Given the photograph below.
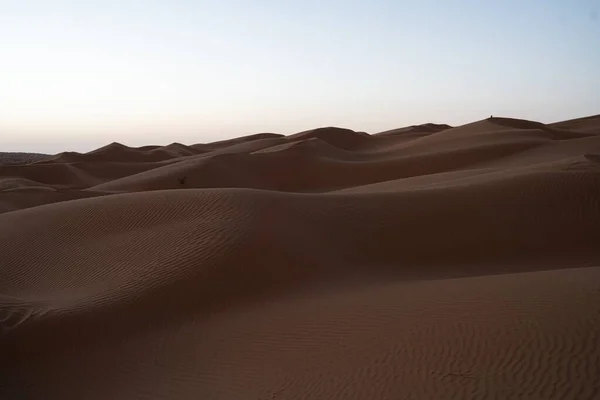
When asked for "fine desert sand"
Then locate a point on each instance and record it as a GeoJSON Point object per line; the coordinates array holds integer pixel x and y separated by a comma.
{"type": "Point", "coordinates": [428, 262]}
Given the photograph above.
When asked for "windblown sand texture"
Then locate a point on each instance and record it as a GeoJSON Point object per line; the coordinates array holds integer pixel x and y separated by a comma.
{"type": "Point", "coordinates": [428, 262]}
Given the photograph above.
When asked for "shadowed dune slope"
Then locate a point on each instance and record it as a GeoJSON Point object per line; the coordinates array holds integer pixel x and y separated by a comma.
{"type": "Point", "coordinates": [415, 129]}
{"type": "Point", "coordinates": [221, 144]}
{"type": "Point", "coordinates": [11, 158]}
{"type": "Point", "coordinates": [587, 124]}
{"type": "Point", "coordinates": [339, 137]}
{"type": "Point", "coordinates": [427, 262]}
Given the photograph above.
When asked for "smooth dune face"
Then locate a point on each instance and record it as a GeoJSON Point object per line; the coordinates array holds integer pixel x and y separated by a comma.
{"type": "Point", "coordinates": [427, 262]}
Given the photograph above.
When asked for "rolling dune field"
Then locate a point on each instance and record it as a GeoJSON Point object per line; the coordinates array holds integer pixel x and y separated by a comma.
{"type": "Point", "coordinates": [427, 262]}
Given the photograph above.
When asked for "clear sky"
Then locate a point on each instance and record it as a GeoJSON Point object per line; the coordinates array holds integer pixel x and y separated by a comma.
{"type": "Point", "coordinates": [78, 74]}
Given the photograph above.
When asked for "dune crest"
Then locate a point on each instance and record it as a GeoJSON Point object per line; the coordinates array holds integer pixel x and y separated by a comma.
{"type": "Point", "coordinates": [422, 262]}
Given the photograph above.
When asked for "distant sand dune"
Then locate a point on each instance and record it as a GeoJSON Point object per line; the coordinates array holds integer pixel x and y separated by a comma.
{"type": "Point", "coordinates": [424, 262]}
{"type": "Point", "coordinates": [415, 129]}
{"type": "Point", "coordinates": [21, 158]}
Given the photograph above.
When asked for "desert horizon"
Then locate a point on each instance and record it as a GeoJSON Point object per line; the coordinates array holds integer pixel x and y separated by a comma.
{"type": "Point", "coordinates": [430, 261]}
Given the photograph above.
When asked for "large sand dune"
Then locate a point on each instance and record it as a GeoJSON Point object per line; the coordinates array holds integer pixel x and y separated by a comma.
{"type": "Point", "coordinates": [427, 262]}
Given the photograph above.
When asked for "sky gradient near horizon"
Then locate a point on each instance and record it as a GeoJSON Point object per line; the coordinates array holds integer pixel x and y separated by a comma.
{"type": "Point", "coordinates": [78, 74]}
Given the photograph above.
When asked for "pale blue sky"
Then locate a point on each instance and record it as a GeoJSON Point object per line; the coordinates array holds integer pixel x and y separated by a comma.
{"type": "Point", "coordinates": [78, 74]}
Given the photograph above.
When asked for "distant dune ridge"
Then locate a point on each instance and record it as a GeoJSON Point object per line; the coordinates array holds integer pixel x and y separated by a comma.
{"type": "Point", "coordinates": [426, 262]}
{"type": "Point", "coordinates": [20, 158]}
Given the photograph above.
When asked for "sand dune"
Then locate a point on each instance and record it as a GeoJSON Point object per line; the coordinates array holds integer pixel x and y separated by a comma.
{"type": "Point", "coordinates": [413, 130]}
{"type": "Point", "coordinates": [424, 262]}
{"type": "Point", "coordinates": [235, 141]}
{"type": "Point", "coordinates": [589, 124]}
{"type": "Point", "coordinates": [20, 158]}
{"type": "Point", "coordinates": [116, 152]}
{"type": "Point", "coordinates": [343, 138]}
